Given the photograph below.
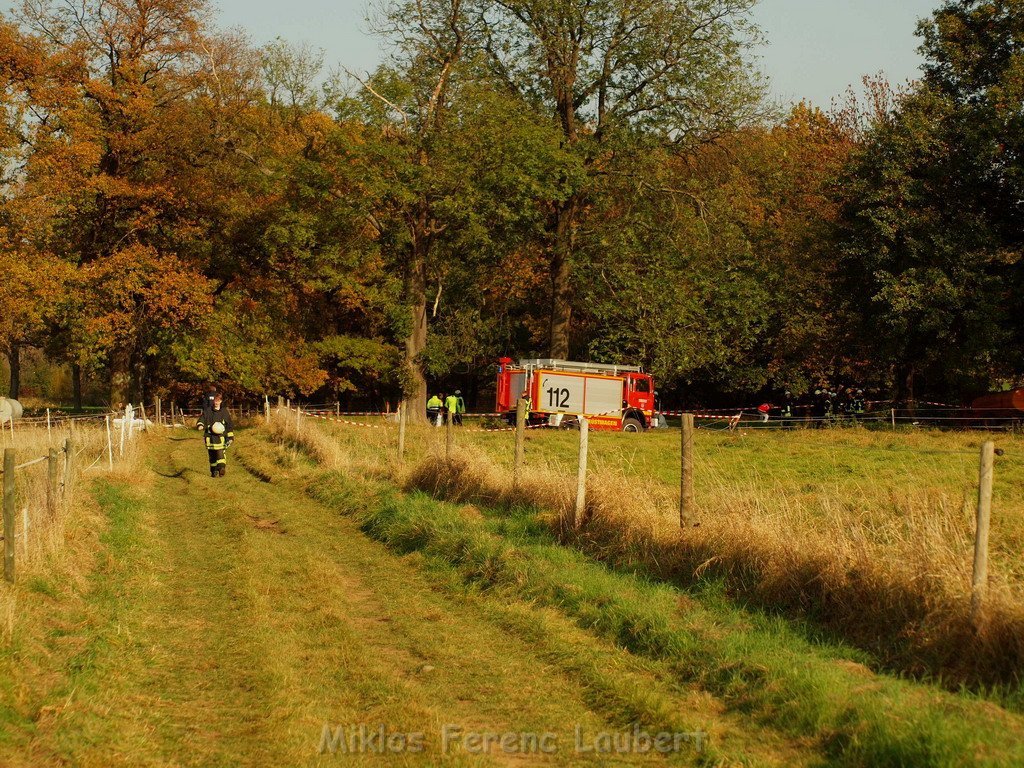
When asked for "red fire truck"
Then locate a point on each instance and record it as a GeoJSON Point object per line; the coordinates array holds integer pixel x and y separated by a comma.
{"type": "Point", "coordinates": [619, 397]}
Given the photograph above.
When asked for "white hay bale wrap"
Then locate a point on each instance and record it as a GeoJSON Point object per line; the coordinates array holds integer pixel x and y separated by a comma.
{"type": "Point", "coordinates": [10, 410]}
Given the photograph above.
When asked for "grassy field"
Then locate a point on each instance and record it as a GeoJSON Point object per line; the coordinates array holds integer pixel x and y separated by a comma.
{"type": "Point", "coordinates": [905, 490]}
{"type": "Point", "coordinates": [49, 542]}
{"type": "Point", "coordinates": [324, 585]}
{"type": "Point", "coordinates": [911, 492]}
{"type": "Point", "coordinates": [868, 533]}
{"type": "Point", "coordinates": [229, 622]}
{"type": "Point", "coordinates": [790, 678]}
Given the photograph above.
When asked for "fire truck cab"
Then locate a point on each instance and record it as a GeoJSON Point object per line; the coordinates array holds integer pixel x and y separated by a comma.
{"type": "Point", "coordinates": [619, 397]}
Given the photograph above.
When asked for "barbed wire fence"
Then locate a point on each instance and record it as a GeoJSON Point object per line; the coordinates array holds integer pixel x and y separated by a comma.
{"type": "Point", "coordinates": [44, 456]}
{"type": "Point", "coordinates": [904, 419]}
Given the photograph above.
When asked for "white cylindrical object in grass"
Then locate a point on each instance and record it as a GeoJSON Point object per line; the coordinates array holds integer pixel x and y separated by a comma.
{"type": "Point", "coordinates": [581, 476]}
{"type": "Point", "coordinates": [110, 446]}
{"type": "Point", "coordinates": [10, 410]}
{"type": "Point", "coordinates": [979, 582]}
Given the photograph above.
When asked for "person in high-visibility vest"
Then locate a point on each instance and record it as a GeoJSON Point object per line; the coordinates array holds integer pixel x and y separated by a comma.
{"type": "Point", "coordinates": [460, 406]}
{"type": "Point", "coordinates": [215, 421]}
{"type": "Point", "coordinates": [455, 407]}
{"type": "Point", "coordinates": [435, 405]}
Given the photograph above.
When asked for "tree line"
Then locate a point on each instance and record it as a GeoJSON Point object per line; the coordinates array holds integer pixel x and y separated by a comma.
{"type": "Point", "coordinates": [592, 179]}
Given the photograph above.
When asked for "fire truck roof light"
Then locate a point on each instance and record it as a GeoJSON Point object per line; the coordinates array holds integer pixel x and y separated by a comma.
{"type": "Point", "coordinates": [550, 364]}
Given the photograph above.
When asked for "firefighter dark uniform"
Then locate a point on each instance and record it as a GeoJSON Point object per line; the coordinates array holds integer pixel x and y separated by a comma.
{"type": "Point", "coordinates": [219, 433]}
{"type": "Point", "coordinates": [787, 409]}
{"type": "Point", "coordinates": [857, 404]}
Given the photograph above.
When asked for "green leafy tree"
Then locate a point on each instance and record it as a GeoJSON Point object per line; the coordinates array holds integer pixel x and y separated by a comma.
{"type": "Point", "coordinates": [714, 270]}
{"type": "Point", "coordinates": [932, 207]}
{"type": "Point", "coordinates": [457, 167]}
{"type": "Point", "coordinates": [616, 76]}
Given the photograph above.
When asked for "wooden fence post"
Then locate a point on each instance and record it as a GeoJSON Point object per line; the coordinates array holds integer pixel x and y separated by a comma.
{"type": "Point", "coordinates": [48, 435]}
{"type": "Point", "coordinates": [110, 446]}
{"type": "Point", "coordinates": [686, 475]}
{"type": "Point", "coordinates": [403, 409]}
{"type": "Point", "coordinates": [448, 436]}
{"type": "Point", "coordinates": [298, 418]}
{"type": "Point", "coordinates": [9, 514]}
{"type": "Point", "coordinates": [892, 414]}
{"type": "Point", "coordinates": [52, 482]}
{"type": "Point", "coordinates": [69, 469]}
{"type": "Point", "coordinates": [517, 468]}
{"type": "Point", "coordinates": [979, 582]}
{"type": "Point", "coordinates": [581, 475]}
{"type": "Point", "coordinates": [158, 411]}
{"type": "Point", "coordinates": [266, 409]}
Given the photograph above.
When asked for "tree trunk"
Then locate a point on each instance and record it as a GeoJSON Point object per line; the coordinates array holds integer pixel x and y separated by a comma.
{"type": "Point", "coordinates": [120, 377]}
{"type": "Point", "coordinates": [14, 358]}
{"type": "Point", "coordinates": [137, 392]}
{"type": "Point", "coordinates": [76, 386]}
{"type": "Point", "coordinates": [416, 342]}
{"type": "Point", "coordinates": [561, 277]}
{"type": "Point", "coordinates": [906, 388]}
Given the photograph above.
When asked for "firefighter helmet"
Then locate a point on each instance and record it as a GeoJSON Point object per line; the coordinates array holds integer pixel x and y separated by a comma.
{"type": "Point", "coordinates": [217, 428]}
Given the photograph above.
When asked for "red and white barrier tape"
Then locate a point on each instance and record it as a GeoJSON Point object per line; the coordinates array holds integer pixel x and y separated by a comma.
{"type": "Point", "coordinates": [702, 415]}
{"type": "Point", "coordinates": [332, 412]}
{"type": "Point", "coordinates": [345, 421]}
{"type": "Point", "coordinates": [510, 429]}
{"type": "Point", "coordinates": [335, 419]}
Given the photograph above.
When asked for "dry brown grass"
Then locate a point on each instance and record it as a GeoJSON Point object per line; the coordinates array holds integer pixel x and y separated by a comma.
{"type": "Point", "coordinates": [304, 436]}
{"type": "Point", "coordinates": [58, 544]}
{"type": "Point", "coordinates": [868, 534]}
{"type": "Point", "coordinates": [900, 590]}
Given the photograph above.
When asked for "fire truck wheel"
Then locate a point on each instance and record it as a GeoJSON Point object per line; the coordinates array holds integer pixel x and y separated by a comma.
{"type": "Point", "coordinates": [632, 425]}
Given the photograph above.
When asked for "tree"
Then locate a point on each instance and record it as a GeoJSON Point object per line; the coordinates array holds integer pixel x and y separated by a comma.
{"type": "Point", "coordinates": [932, 207]}
{"type": "Point", "coordinates": [33, 84]}
{"type": "Point", "coordinates": [714, 270]}
{"type": "Point", "coordinates": [122, 164]}
{"type": "Point", "coordinates": [608, 72]}
{"type": "Point", "coordinates": [456, 163]}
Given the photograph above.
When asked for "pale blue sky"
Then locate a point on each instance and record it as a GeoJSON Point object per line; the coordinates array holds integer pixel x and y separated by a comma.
{"type": "Point", "coordinates": [814, 50]}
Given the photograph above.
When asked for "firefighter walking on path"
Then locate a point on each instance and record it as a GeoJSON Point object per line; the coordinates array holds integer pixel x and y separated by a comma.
{"type": "Point", "coordinates": [219, 433]}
